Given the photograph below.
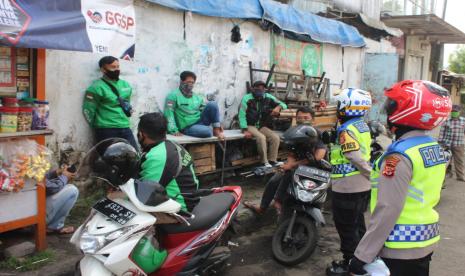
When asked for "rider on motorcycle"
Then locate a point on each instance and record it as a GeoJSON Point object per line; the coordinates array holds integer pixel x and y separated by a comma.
{"type": "Point", "coordinates": [166, 162]}
{"type": "Point", "coordinates": [304, 146]}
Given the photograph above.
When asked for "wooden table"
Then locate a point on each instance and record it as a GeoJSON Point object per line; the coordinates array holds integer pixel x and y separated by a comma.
{"type": "Point", "coordinates": [12, 216]}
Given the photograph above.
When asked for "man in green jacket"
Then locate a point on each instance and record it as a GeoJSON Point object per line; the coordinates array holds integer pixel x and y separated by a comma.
{"type": "Point", "coordinates": [164, 161]}
{"type": "Point", "coordinates": [102, 109]}
{"type": "Point", "coordinates": [255, 120]}
{"type": "Point", "coordinates": [189, 113]}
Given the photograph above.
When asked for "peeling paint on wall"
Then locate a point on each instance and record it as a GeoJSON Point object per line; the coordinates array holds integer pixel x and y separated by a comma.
{"type": "Point", "coordinates": [162, 54]}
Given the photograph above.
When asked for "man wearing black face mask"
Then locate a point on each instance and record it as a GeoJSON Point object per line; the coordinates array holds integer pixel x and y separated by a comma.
{"type": "Point", "coordinates": [189, 113]}
{"type": "Point", "coordinates": [102, 103]}
{"type": "Point", "coordinates": [255, 120]}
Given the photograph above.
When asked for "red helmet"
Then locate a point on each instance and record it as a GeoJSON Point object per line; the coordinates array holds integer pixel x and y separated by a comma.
{"type": "Point", "coordinates": [418, 104]}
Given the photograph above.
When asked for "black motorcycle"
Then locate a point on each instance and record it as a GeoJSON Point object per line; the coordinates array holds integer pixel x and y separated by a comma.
{"type": "Point", "coordinates": [296, 237]}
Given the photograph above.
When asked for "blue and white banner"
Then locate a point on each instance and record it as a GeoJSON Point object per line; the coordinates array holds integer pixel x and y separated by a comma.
{"type": "Point", "coordinates": [107, 27]}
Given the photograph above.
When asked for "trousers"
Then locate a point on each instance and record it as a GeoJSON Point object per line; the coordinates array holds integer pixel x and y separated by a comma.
{"type": "Point", "coordinates": [262, 136]}
{"type": "Point", "coordinates": [124, 133]}
{"type": "Point", "coordinates": [417, 267]}
{"type": "Point", "coordinates": [210, 116]}
{"type": "Point", "coordinates": [59, 205]}
{"type": "Point", "coordinates": [458, 153]}
{"type": "Point", "coordinates": [348, 209]}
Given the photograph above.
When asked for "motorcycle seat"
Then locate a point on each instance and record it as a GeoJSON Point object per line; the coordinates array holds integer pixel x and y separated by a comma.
{"type": "Point", "coordinates": [208, 211]}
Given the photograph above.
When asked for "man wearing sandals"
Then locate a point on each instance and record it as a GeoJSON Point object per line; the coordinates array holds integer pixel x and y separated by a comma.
{"type": "Point", "coordinates": [276, 187]}
{"type": "Point", "coordinates": [61, 197]}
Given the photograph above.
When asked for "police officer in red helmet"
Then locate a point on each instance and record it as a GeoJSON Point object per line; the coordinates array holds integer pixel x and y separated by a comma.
{"type": "Point", "coordinates": [403, 228]}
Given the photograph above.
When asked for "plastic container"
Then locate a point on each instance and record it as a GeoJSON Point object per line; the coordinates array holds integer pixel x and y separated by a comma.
{"type": "Point", "coordinates": [40, 115]}
{"type": "Point", "coordinates": [9, 119]}
{"type": "Point", "coordinates": [10, 102]}
{"type": "Point", "coordinates": [24, 118]}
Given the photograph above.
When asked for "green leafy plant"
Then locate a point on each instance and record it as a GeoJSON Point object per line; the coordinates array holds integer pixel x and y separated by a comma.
{"type": "Point", "coordinates": [457, 61]}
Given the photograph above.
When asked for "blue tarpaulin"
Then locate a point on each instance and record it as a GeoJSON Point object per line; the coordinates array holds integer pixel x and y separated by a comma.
{"type": "Point", "coordinates": [284, 16]}
{"type": "Point", "coordinates": [247, 9]}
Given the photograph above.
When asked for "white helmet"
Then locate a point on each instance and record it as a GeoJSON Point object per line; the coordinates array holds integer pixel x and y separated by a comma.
{"type": "Point", "coordinates": [353, 102]}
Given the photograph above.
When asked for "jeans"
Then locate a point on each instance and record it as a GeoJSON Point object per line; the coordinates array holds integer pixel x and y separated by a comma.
{"type": "Point", "coordinates": [210, 116]}
{"type": "Point", "coordinates": [417, 267]}
{"type": "Point", "coordinates": [348, 209]}
{"type": "Point", "coordinates": [124, 133]}
{"type": "Point", "coordinates": [59, 205]}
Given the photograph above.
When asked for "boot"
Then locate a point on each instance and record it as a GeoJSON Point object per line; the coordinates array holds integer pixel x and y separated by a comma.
{"type": "Point", "coordinates": [338, 268]}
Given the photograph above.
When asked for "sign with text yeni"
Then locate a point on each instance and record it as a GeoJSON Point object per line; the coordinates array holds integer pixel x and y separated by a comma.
{"type": "Point", "coordinates": [107, 27]}
{"type": "Point", "coordinates": [294, 56]}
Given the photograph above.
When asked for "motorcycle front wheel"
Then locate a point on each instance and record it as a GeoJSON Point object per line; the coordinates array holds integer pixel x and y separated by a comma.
{"type": "Point", "coordinates": [300, 246]}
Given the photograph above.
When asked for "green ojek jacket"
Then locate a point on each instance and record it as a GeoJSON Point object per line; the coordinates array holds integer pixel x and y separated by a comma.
{"type": "Point", "coordinates": [101, 107]}
{"type": "Point", "coordinates": [182, 112]}
{"type": "Point", "coordinates": [161, 164]}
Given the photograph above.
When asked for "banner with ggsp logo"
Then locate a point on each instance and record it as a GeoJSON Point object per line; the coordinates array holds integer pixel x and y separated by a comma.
{"type": "Point", "coordinates": [107, 27]}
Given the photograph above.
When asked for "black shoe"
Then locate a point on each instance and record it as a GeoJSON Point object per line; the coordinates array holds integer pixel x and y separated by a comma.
{"type": "Point", "coordinates": [338, 268]}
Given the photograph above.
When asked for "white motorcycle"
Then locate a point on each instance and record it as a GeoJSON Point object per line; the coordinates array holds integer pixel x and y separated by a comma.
{"type": "Point", "coordinates": [119, 237]}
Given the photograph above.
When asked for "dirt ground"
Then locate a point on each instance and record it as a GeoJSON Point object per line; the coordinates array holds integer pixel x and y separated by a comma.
{"type": "Point", "coordinates": [253, 256]}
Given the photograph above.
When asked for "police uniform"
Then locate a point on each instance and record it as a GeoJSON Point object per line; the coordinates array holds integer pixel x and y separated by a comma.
{"type": "Point", "coordinates": [350, 182]}
{"type": "Point", "coordinates": [403, 228]}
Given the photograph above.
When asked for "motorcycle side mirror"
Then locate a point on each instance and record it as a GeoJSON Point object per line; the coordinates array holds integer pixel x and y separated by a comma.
{"type": "Point", "coordinates": [150, 193]}
{"type": "Point", "coordinates": [328, 136]}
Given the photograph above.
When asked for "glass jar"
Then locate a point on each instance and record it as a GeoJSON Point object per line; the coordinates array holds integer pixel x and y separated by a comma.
{"type": "Point", "coordinates": [24, 118]}
{"type": "Point", "coordinates": [40, 115]}
{"type": "Point", "coordinates": [9, 119]}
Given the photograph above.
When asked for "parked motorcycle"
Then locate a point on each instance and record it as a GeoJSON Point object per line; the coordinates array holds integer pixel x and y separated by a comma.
{"type": "Point", "coordinates": [296, 237]}
{"type": "Point", "coordinates": [122, 237]}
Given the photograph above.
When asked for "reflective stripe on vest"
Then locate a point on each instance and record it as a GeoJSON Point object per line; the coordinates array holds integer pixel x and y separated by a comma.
{"type": "Point", "coordinates": [417, 225]}
{"type": "Point", "coordinates": [341, 165]}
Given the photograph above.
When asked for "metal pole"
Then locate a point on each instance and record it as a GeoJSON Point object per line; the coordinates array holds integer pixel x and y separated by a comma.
{"type": "Point", "coordinates": [444, 10]}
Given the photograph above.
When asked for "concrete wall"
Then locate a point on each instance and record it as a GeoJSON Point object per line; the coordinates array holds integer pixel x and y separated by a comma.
{"type": "Point", "coordinates": [162, 53]}
{"type": "Point", "coordinates": [417, 58]}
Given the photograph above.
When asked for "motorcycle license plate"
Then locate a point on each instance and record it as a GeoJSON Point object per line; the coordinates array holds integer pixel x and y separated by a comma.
{"type": "Point", "coordinates": [313, 173]}
{"type": "Point", "coordinates": [114, 211]}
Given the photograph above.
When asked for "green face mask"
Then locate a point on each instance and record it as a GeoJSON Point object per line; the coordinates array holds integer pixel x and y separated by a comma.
{"type": "Point", "coordinates": [455, 114]}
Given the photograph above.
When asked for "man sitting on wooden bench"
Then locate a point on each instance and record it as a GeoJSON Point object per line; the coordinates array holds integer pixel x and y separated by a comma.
{"type": "Point", "coordinates": [189, 113]}
{"type": "Point", "coordinates": [255, 120]}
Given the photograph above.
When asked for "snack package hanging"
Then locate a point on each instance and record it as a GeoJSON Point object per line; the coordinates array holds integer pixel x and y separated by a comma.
{"type": "Point", "coordinates": [21, 160]}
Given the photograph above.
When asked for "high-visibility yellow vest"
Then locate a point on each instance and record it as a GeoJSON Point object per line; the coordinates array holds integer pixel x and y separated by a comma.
{"type": "Point", "coordinates": [417, 225]}
{"type": "Point", "coordinates": [341, 165]}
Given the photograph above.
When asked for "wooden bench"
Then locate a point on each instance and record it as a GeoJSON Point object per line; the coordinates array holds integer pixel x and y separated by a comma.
{"type": "Point", "coordinates": [203, 150]}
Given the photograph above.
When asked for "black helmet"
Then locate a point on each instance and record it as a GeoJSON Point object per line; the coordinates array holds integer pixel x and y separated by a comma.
{"type": "Point", "coordinates": [376, 128]}
{"type": "Point", "coordinates": [300, 135]}
{"type": "Point", "coordinates": [113, 160]}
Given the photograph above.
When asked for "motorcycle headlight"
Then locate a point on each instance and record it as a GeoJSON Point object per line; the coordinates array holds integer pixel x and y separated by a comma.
{"type": "Point", "coordinates": [305, 183]}
{"type": "Point", "coordinates": [305, 196]}
{"type": "Point", "coordinates": [90, 244]}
